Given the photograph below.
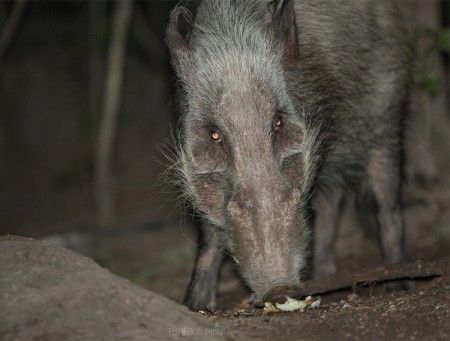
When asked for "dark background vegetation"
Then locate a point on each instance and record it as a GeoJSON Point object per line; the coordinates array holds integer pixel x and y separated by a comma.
{"type": "Point", "coordinates": [51, 93]}
{"type": "Point", "coordinates": [52, 86]}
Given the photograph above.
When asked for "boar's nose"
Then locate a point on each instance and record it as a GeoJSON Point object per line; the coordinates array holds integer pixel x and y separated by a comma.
{"type": "Point", "coordinates": [278, 293]}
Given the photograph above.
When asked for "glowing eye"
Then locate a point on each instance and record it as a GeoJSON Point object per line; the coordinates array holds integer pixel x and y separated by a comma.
{"type": "Point", "coordinates": [215, 136]}
{"type": "Point", "coordinates": [277, 123]}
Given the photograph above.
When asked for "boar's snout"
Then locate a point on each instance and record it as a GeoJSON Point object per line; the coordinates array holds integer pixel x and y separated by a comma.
{"type": "Point", "coordinates": [267, 243]}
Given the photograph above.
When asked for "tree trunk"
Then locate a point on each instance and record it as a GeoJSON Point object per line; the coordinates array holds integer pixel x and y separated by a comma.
{"type": "Point", "coordinates": [103, 186]}
{"type": "Point", "coordinates": [10, 26]}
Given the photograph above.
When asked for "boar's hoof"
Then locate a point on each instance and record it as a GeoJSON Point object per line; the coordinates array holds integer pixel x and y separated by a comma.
{"type": "Point", "coordinates": [201, 301]}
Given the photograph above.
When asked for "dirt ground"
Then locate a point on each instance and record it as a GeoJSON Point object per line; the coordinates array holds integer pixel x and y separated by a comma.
{"type": "Point", "coordinates": [50, 293]}
{"type": "Point", "coordinates": [420, 314]}
{"type": "Point", "coordinates": [417, 315]}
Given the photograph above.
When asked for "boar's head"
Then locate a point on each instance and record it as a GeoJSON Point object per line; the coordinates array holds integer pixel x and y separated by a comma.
{"type": "Point", "coordinates": [245, 150]}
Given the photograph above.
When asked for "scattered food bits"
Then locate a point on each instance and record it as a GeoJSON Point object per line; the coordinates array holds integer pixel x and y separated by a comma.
{"type": "Point", "coordinates": [269, 308]}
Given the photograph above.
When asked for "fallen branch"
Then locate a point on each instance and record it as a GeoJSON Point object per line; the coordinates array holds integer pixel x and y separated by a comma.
{"type": "Point", "coordinates": [408, 271]}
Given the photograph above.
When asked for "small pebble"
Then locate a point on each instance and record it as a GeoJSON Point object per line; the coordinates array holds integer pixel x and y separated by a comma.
{"type": "Point", "coordinates": [315, 304]}
{"type": "Point", "coordinates": [353, 297]}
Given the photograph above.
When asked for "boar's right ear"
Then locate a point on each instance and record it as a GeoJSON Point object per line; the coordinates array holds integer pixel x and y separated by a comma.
{"type": "Point", "coordinates": [180, 51]}
{"type": "Point", "coordinates": [285, 28]}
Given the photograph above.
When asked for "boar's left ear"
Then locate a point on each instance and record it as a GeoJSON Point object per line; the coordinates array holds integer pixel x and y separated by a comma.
{"type": "Point", "coordinates": [283, 21]}
{"type": "Point", "coordinates": [180, 51]}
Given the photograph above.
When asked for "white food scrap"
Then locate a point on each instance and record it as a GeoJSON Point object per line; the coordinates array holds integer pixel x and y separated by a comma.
{"type": "Point", "coordinates": [291, 304]}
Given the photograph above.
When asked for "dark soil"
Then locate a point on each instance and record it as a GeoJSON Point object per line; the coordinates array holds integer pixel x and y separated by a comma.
{"type": "Point", "coordinates": [422, 314]}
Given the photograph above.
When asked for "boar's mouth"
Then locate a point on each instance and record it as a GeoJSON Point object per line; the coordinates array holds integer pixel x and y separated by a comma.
{"type": "Point", "coordinates": [278, 292]}
{"type": "Point", "coordinates": [278, 295]}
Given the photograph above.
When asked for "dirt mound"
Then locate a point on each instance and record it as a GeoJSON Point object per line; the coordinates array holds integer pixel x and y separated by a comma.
{"type": "Point", "coordinates": [50, 293]}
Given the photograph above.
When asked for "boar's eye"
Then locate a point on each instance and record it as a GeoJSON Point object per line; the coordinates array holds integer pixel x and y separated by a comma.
{"type": "Point", "coordinates": [277, 122]}
{"type": "Point", "coordinates": [215, 136]}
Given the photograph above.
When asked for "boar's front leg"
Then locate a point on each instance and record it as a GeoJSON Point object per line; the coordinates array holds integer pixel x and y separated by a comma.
{"type": "Point", "coordinates": [202, 290]}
